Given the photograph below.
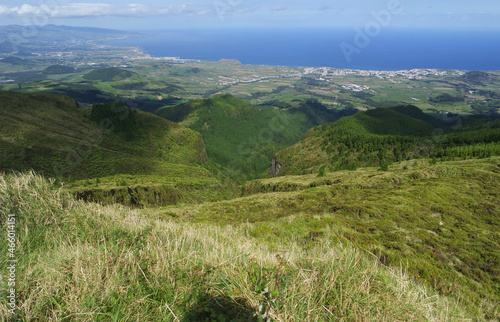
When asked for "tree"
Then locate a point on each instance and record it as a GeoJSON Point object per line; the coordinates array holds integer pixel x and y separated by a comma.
{"type": "Point", "coordinates": [384, 165]}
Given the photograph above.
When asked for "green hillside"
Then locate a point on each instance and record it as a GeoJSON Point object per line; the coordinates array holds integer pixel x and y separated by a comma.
{"type": "Point", "coordinates": [242, 137]}
{"type": "Point", "coordinates": [113, 263]}
{"type": "Point", "coordinates": [383, 136]}
{"type": "Point", "coordinates": [386, 121]}
{"type": "Point", "coordinates": [103, 148]}
{"type": "Point", "coordinates": [439, 222]}
{"type": "Point", "coordinates": [108, 74]}
{"type": "Point", "coordinates": [13, 60]}
{"type": "Point", "coordinates": [58, 69]}
{"type": "Point", "coordinates": [478, 77]}
{"type": "Point", "coordinates": [7, 47]}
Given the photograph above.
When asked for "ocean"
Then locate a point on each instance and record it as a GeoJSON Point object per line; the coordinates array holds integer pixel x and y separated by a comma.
{"type": "Point", "coordinates": [338, 48]}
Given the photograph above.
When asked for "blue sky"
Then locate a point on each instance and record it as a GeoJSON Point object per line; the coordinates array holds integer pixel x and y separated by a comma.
{"type": "Point", "coordinates": [168, 14]}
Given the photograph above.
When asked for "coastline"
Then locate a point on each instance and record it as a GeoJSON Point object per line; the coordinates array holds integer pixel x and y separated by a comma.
{"type": "Point", "coordinates": [390, 52]}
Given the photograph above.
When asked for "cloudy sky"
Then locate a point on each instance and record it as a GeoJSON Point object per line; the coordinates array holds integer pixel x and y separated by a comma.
{"type": "Point", "coordinates": [166, 14]}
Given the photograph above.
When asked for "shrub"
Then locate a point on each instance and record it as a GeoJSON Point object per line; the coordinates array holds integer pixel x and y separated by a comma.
{"type": "Point", "coordinates": [322, 171]}
{"type": "Point", "coordinates": [384, 166]}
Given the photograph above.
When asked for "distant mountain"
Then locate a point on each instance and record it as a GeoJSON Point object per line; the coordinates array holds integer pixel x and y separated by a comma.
{"type": "Point", "coordinates": [58, 69]}
{"type": "Point", "coordinates": [83, 30]}
{"type": "Point", "coordinates": [17, 37]}
{"type": "Point", "coordinates": [242, 137]}
{"type": "Point", "coordinates": [381, 136]}
{"type": "Point", "coordinates": [13, 60]}
{"type": "Point", "coordinates": [9, 31]}
{"type": "Point", "coordinates": [478, 78]}
{"type": "Point", "coordinates": [7, 46]}
{"type": "Point", "coordinates": [24, 54]}
{"type": "Point", "coordinates": [109, 74]}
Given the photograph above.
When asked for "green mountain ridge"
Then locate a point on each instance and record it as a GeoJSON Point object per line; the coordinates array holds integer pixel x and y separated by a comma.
{"type": "Point", "coordinates": [387, 121]}
{"type": "Point", "coordinates": [54, 136]}
{"type": "Point", "coordinates": [57, 70]}
{"type": "Point", "coordinates": [108, 74]}
{"type": "Point", "coordinates": [13, 60]}
{"type": "Point", "coordinates": [382, 136]}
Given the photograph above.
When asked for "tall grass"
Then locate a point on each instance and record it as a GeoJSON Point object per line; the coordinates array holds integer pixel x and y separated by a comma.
{"type": "Point", "coordinates": [81, 261]}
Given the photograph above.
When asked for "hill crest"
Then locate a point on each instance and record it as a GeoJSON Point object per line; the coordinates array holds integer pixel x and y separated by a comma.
{"type": "Point", "coordinates": [108, 74]}
{"type": "Point", "coordinates": [384, 135]}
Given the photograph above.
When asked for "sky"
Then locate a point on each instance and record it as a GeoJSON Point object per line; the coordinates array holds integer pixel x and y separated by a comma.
{"type": "Point", "coordinates": [137, 15]}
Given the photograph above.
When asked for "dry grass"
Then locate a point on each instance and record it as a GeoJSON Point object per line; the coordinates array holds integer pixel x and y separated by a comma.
{"type": "Point", "coordinates": [87, 262]}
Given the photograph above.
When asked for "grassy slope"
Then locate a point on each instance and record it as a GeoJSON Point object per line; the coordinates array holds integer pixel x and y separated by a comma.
{"type": "Point", "coordinates": [50, 134]}
{"type": "Point", "coordinates": [89, 262]}
{"type": "Point", "coordinates": [108, 74]}
{"type": "Point", "coordinates": [440, 222]}
{"type": "Point", "coordinates": [243, 137]}
{"type": "Point", "coordinates": [388, 135]}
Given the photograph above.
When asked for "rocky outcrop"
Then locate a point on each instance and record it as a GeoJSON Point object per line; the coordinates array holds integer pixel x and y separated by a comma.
{"type": "Point", "coordinates": [275, 168]}
{"type": "Point", "coordinates": [138, 196]}
{"type": "Point", "coordinates": [159, 195]}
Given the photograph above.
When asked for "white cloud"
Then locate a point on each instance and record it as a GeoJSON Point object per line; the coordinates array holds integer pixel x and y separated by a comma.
{"type": "Point", "coordinates": [4, 10]}
{"type": "Point", "coordinates": [75, 10]}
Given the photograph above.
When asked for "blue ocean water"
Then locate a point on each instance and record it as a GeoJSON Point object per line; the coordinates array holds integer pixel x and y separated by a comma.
{"type": "Point", "coordinates": [339, 48]}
